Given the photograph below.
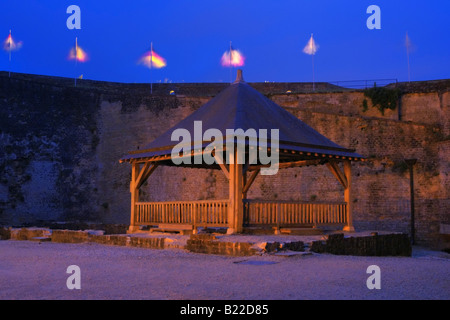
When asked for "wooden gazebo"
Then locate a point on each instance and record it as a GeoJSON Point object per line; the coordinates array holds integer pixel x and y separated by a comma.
{"type": "Point", "coordinates": [241, 107]}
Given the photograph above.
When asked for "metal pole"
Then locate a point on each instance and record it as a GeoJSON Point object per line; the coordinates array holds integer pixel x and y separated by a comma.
{"type": "Point", "coordinates": [312, 49]}
{"type": "Point", "coordinates": [231, 66]}
{"type": "Point", "coordinates": [76, 59]}
{"type": "Point", "coordinates": [407, 55]}
{"type": "Point", "coordinates": [151, 66]}
{"type": "Point", "coordinates": [10, 44]}
{"type": "Point", "coordinates": [314, 85]}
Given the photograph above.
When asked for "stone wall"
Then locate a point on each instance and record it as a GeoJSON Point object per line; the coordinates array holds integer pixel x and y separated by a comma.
{"type": "Point", "coordinates": [376, 245]}
{"type": "Point", "coordinates": [419, 107]}
{"type": "Point", "coordinates": [60, 146]}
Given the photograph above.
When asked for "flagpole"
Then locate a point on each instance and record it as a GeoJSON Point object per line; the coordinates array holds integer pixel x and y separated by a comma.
{"type": "Point", "coordinates": [10, 44]}
{"type": "Point", "coordinates": [407, 56]}
{"type": "Point", "coordinates": [314, 84]}
{"type": "Point", "coordinates": [231, 65]}
{"type": "Point", "coordinates": [76, 59]}
{"type": "Point", "coordinates": [151, 66]}
{"type": "Point", "coordinates": [313, 53]}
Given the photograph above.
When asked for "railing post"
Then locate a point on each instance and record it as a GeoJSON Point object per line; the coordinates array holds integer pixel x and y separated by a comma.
{"type": "Point", "coordinates": [278, 218]}
{"type": "Point", "coordinates": [194, 217]}
{"type": "Point", "coordinates": [134, 198]}
{"type": "Point", "coordinates": [314, 215]}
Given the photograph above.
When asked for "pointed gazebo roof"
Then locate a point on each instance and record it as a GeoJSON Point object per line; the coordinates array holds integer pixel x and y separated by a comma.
{"type": "Point", "coordinates": [246, 113]}
{"type": "Point", "coordinates": [241, 107]}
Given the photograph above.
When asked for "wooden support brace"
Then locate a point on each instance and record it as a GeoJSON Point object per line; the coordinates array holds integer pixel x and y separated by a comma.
{"type": "Point", "coordinates": [224, 168]}
{"type": "Point", "coordinates": [284, 165]}
{"type": "Point", "coordinates": [249, 182]}
{"type": "Point", "coordinates": [141, 174]}
{"type": "Point", "coordinates": [145, 174]}
{"type": "Point", "coordinates": [340, 176]}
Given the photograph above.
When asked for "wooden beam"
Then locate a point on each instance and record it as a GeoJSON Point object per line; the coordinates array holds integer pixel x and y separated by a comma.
{"type": "Point", "coordinates": [224, 168]}
{"type": "Point", "coordinates": [348, 196]}
{"type": "Point", "coordinates": [231, 196]}
{"type": "Point", "coordinates": [284, 165]}
{"type": "Point", "coordinates": [146, 175]}
{"type": "Point", "coordinates": [236, 205]}
{"type": "Point", "coordinates": [340, 176]}
{"type": "Point", "coordinates": [245, 167]}
{"type": "Point", "coordinates": [301, 163]}
{"type": "Point", "coordinates": [239, 205]}
{"type": "Point", "coordinates": [244, 182]}
{"type": "Point", "coordinates": [141, 174]}
{"type": "Point", "coordinates": [134, 197]}
{"type": "Point", "coordinates": [249, 182]}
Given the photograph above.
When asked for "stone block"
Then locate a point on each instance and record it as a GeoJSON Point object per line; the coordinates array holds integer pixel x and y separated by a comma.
{"type": "Point", "coordinates": [5, 233]}
{"type": "Point", "coordinates": [29, 233]}
{"type": "Point", "coordinates": [272, 246]}
{"type": "Point", "coordinates": [294, 246]}
{"type": "Point", "coordinates": [377, 245]}
{"type": "Point", "coordinates": [70, 236]}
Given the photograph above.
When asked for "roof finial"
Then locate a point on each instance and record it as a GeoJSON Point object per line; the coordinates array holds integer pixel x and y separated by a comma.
{"type": "Point", "coordinates": [239, 76]}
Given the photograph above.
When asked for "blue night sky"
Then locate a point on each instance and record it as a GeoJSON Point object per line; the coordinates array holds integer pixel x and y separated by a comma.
{"type": "Point", "coordinates": [193, 35]}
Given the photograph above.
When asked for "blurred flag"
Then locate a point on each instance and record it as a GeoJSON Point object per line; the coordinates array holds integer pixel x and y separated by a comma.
{"type": "Point", "coordinates": [408, 46]}
{"type": "Point", "coordinates": [152, 60]}
{"type": "Point", "coordinates": [311, 47]}
{"type": "Point", "coordinates": [77, 53]}
{"type": "Point", "coordinates": [232, 58]}
{"type": "Point", "coordinates": [10, 45]}
{"type": "Point", "coordinates": [408, 42]}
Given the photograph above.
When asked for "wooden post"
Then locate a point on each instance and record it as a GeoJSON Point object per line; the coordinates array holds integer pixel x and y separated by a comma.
{"type": "Point", "coordinates": [236, 206]}
{"type": "Point", "coordinates": [138, 178]}
{"type": "Point", "coordinates": [244, 182]}
{"type": "Point", "coordinates": [348, 196]}
{"type": "Point", "coordinates": [134, 197]}
{"type": "Point", "coordinates": [239, 209]}
{"type": "Point", "coordinates": [278, 218]}
{"type": "Point", "coordinates": [194, 219]}
{"type": "Point", "coordinates": [231, 193]}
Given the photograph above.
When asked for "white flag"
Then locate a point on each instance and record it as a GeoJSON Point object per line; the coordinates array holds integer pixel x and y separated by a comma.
{"type": "Point", "coordinates": [312, 47]}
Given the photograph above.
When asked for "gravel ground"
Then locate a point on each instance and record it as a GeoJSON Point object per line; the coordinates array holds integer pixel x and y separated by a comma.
{"type": "Point", "coordinates": [29, 270]}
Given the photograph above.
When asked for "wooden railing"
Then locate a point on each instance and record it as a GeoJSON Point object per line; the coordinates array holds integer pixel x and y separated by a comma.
{"type": "Point", "coordinates": [290, 213]}
{"type": "Point", "coordinates": [212, 213]}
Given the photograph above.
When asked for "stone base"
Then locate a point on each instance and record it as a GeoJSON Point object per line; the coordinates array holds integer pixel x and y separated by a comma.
{"type": "Point", "coordinates": [376, 245]}
{"type": "Point", "coordinates": [349, 229]}
{"type": "Point", "coordinates": [231, 231]}
{"type": "Point", "coordinates": [302, 231]}
{"type": "Point", "coordinates": [205, 243]}
{"type": "Point", "coordinates": [133, 229]}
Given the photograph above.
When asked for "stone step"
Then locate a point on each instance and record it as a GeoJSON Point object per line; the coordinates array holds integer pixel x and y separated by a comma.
{"type": "Point", "coordinates": [183, 229]}
{"type": "Point", "coordinates": [302, 231]}
{"type": "Point", "coordinates": [258, 230]}
{"type": "Point", "coordinates": [41, 239]}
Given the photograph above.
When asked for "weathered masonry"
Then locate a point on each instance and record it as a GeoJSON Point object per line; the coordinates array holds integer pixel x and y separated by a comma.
{"type": "Point", "coordinates": [59, 147]}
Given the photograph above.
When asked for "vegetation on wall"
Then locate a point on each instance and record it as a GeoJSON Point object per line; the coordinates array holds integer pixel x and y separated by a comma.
{"type": "Point", "coordinates": [382, 98]}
